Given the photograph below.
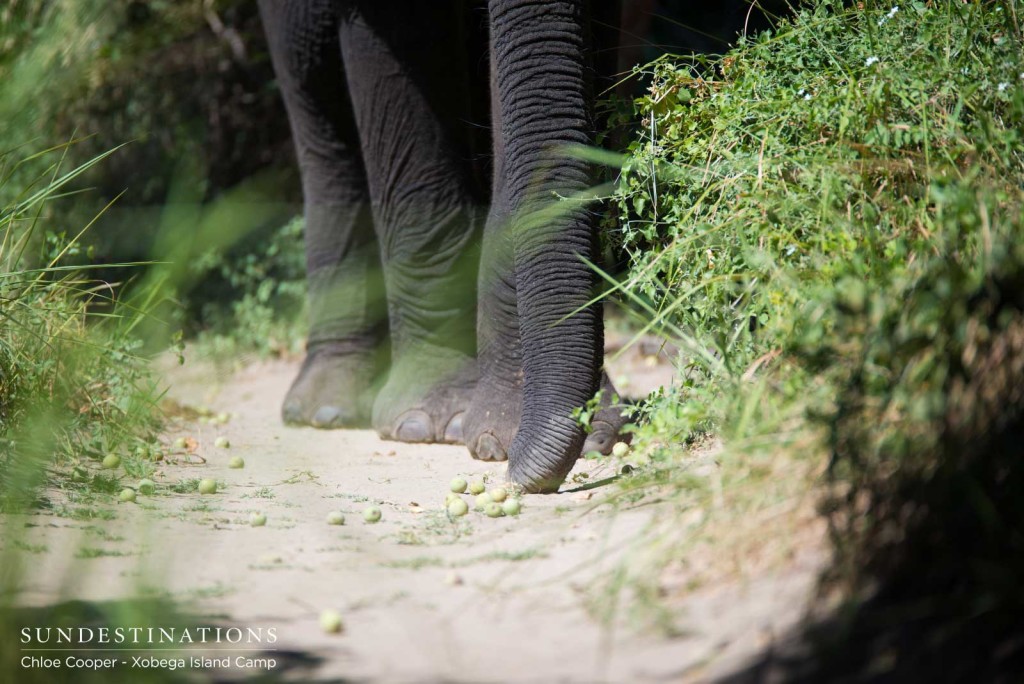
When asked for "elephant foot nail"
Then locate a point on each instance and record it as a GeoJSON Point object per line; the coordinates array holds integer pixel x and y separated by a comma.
{"type": "Point", "coordinates": [291, 413]}
{"type": "Point", "coordinates": [327, 417]}
{"type": "Point", "coordinates": [488, 448]}
{"type": "Point", "coordinates": [453, 431]}
{"type": "Point", "coordinates": [414, 426]}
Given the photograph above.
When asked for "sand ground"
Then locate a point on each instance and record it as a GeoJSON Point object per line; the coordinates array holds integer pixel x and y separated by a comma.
{"type": "Point", "coordinates": [423, 599]}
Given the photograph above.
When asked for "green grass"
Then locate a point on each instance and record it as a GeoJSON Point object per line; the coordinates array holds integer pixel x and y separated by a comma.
{"type": "Point", "coordinates": [827, 221]}
{"type": "Point", "coordinates": [88, 552]}
{"type": "Point", "coordinates": [74, 387]}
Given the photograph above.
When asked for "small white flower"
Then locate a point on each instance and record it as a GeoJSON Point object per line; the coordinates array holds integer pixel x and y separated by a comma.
{"type": "Point", "coordinates": [807, 96]}
{"type": "Point", "coordinates": [890, 15]}
{"type": "Point", "coordinates": [1003, 86]}
{"type": "Point", "coordinates": [870, 60]}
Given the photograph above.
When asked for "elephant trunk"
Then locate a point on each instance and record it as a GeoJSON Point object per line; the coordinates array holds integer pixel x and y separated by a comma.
{"type": "Point", "coordinates": [542, 89]}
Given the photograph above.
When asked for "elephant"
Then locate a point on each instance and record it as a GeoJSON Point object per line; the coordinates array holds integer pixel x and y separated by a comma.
{"type": "Point", "coordinates": [445, 308]}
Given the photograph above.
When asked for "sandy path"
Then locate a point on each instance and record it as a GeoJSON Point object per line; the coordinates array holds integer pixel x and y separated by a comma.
{"type": "Point", "coordinates": [423, 599]}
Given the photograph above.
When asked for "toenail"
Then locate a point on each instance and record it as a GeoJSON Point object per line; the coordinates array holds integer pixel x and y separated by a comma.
{"type": "Point", "coordinates": [602, 439]}
{"type": "Point", "coordinates": [488, 448]}
{"type": "Point", "coordinates": [292, 414]}
{"type": "Point", "coordinates": [414, 427]}
{"type": "Point", "coordinates": [326, 416]}
{"type": "Point", "coordinates": [453, 431]}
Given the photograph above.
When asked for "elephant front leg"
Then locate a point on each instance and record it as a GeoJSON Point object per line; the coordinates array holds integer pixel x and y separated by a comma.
{"type": "Point", "coordinates": [346, 351]}
{"type": "Point", "coordinates": [402, 72]}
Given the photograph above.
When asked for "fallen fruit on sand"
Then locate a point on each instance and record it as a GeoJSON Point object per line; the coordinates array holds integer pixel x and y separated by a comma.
{"type": "Point", "coordinates": [620, 449]}
{"type": "Point", "coordinates": [335, 518]}
{"type": "Point", "coordinates": [257, 519]}
{"type": "Point", "coordinates": [180, 443]}
{"type": "Point", "coordinates": [111, 461]}
{"type": "Point", "coordinates": [207, 486]}
{"type": "Point", "coordinates": [371, 514]}
{"type": "Point", "coordinates": [482, 500]}
{"type": "Point", "coordinates": [477, 487]}
{"type": "Point", "coordinates": [236, 462]}
{"type": "Point", "coordinates": [449, 497]}
{"type": "Point", "coordinates": [127, 495]}
{"type": "Point", "coordinates": [498, 494]}
{"type": "Point", "coordinates": [510, 507]}
{"type": "Point", "coordinates": [493, 510]}
{"type": "Point", "coordinates": [458, 485]}
{"type": "Point", "coordinates": [330, 622]}
{"type": "Point", "coordinates": [147, 486]}
{"type": "Point", "coordinates": [221, 443]}
{"type": "Point", "coordinates": [458, 508]}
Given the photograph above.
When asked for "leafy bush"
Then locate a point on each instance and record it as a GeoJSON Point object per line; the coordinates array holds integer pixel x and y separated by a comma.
{"type": "Point", "coordinates": [260, 300]}
{"type": "Point", "coordinates": [828, 219]}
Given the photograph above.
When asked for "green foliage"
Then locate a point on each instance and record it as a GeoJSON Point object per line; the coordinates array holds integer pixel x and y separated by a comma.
{"type": "Point", "coordinates": [189, 87]}
{"type": "Point", "coordinates": [925, 436]}
{"type": "Point", "coordinates": [262, 304]}
{"type": "Point", "coordinates": [805, 155]}
{"type": "Point", "coordinates": [73, 387]}
{"type": "Point", "coordinates": [828, 218]}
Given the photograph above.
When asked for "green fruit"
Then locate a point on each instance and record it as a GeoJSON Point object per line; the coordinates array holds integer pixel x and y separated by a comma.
{"type": "Point", "coordinates": [493, 510]}
{"type": "Point", "coordinates": [180, 443]}
{"type": "Point", "coordinates": [371, 514]}
{"type": "Point", "coordinates": [207, 486]}
{"type": "Point", "coordinates": [147, 486]}
{"type": "Point", "coordinates": [222, 418]}
{"type": "Point", "coordinates": [620, 449]}
{"type": "Point", "coordinates": [477, 487]}
{"type": "Point", "coordinates": [458, 508]}
{"type": "Point", "coordinates": [458, 485]}
{"type": "Point", "coordinates": [498, 494]}
{"type": "Point", "coordinates": [111, 461]}
{"type": "Point", "coordinates": [482, 500]}
{"type": "Point", "coordinates": [127, 495]}
{"type": "Point", "coordinates": [335, 518]}
{"type": "Point", "coordinates": [236, 462]}
{"type": "Point", "coordinates": [510, 507]}
{"type": "Point", "coordinates": [449, 497]}
{"type": "Point", "coordinates": [79, 474]}
{"type": "Point", "coordinates": [257, 519]}
{"type": "Point", "coordinates": [221, 443]}
{"type": "Point", "coordinates": [330, 622]}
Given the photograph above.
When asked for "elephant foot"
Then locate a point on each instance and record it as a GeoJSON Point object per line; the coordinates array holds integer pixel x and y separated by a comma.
{"type": "Point", "coordinates": [426, 397]}
{"type": "Point", "coordinates": [607, 423]}
{"type": "Point", "coordinates": [334, 388]}
{"type": "Point", "coordinates": [493, 418]}
{"type": "Point", "coordinates": [495, 412]}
